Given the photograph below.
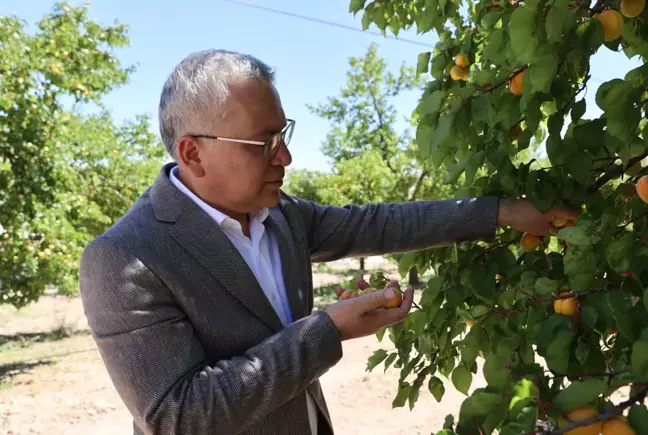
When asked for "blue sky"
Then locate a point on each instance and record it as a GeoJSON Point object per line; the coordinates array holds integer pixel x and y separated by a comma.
{"type": "Point", "coordinates": [311, 58]}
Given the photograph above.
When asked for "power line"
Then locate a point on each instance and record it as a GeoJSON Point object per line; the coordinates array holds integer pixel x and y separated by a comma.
{"type": "Point", "coordinates": [328, 23]}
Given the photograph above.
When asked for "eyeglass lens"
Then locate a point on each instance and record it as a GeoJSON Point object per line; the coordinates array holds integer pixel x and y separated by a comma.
{"type": "Point", "coordinates": [274, 143]}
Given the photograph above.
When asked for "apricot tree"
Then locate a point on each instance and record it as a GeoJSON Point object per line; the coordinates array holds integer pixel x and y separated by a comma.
{"type": "Point", "coordinates": [65, 175]}
{"type": "Point", "coordinates": [558, 325]}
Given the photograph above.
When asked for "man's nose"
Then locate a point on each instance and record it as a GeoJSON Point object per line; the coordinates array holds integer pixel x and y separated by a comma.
{"type": "Point", "coordinates": [283, 156]}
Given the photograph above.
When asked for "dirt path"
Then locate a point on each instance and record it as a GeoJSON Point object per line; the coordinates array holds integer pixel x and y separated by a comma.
{"type": "Point", "coordinates": [53, 381]}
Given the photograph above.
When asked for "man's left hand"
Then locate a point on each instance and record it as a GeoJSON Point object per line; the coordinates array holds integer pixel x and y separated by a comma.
{"type": "Point", "coordinates": [523, 216]}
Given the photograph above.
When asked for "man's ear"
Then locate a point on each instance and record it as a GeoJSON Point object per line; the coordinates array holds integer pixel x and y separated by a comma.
{"type": "Point", "coordinates": [188, 154]}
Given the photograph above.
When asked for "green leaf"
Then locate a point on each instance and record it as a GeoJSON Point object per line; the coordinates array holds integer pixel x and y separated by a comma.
{"type": "Point", "coordinates": [375, 359]}
{"type": "Point", "coordinates": [542, 72]}
{"type": "Point", "coordinates": [405, 263]}
{"type": "Point", "coordinates": [390, 359]}
{"type": "Point", "coordinates": [461, 379]}
{"type": "Point", "coordinates": [639, 359]}
{"type": "Point", "coordinates": [479, 311]}
{"type": "Point", "coordinates": [557, 19]}
{"type": "Point", "coordinates": [432, 290]}
{"type": "Point", "coordinates": [578, 110]}
{"type": "Point", "coordinates": [616, 253]}
{"type": "Point", "coordinates": [496, 373]}
{"type": "Point", "coordinates": [579, 166]}
{"type": "Point", "coordinates": [522, 33]}
{"type": "Point", "coordinates": [402, 396]}
{"type": "Point", "coordinates": [579, 393]}
{"type": "Point", "coordinates": [545, 286]}
{"type": "Point", "coordinates": [589, 316]}
{"type": "Point", "coordinates": [480, 404]}
{"type": "Point", "coordinates": [431, 103]}
{"type": "Point", "coordinates": [582, 350]}
{"type": "Point", "coordinates": [356, 5]}
{"type": "Point", "coordinates": [613, 95]}
{"type": "Point", "coordinates": [436, 387]}
{"type": "Point", "coordinates": [576, 235]}
{"type": "Point", "coordinates": [558, 351]}
{"type": "Point", "coordinates": [638, 418]}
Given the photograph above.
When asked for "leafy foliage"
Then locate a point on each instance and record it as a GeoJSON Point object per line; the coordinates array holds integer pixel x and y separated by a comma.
{"type": "Point", "coordinates": [64, 176]}
{"type": "Point", "coordinates": [490, 306]}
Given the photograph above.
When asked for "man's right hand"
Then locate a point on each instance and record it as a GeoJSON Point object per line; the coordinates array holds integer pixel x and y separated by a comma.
{"type": "Point", "coordinates": [364, 315]}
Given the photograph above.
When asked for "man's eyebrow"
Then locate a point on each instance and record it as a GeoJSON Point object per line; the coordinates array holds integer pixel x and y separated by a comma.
{"type": "Point", "coordinates": [271, 130]}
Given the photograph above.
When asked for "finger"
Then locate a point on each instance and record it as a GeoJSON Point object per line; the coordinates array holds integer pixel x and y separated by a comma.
{"type": "Point", "coordinates": [339, 291]}
{"type": "Point", "coordinates": [361, 283]}
{"type": "Point", "coordinates": [375, 299]}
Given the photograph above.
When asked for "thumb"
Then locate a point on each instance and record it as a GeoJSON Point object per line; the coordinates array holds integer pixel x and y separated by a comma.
{"type": "Point", "coordinates": [377, 299]}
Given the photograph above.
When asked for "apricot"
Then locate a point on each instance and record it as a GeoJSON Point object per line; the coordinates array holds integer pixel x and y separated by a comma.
{"type": "Point", "coordinates": [642, 188]}
{"type": "Point", "coordinates": [529, 242]}
{"type": "Point", "coordinates": [515, 85]}
{"type": "Point", "coordinates": [632, 8]}
{"type": "Point", "coordinates": [462, 60]}
{"type": "Point", "coordinates": [396, 301]}
{"type": "Point", "coordinates": [612, 22]}
{"type": "Point", "coordinates": [347, 294]}
{"type": "Point", "coordinates": [470, 323]}
{"type": "Point", "coordinates": [565, 306]}
{"type": "Point", "coordinates": [456, 72]}
{"type": "Point", "coordinates": [616, 426]}
{"type": "Point", "coordinates": [465, 75]}
{"type": "Point", "coordinates": [559, 222]}
{"type": "Point", "coordinates": [580, 414]}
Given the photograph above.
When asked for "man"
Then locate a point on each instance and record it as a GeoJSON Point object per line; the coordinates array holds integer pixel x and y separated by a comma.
{"type": "Point", "coordinates": [200, 298]}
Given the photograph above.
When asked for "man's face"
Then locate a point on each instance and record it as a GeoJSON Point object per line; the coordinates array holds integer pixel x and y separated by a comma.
{"type": "Point", "coordinates": [235, 176]}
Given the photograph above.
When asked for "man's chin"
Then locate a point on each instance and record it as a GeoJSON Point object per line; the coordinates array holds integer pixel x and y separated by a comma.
{"type": "Point", "coordinates": [270, 196]}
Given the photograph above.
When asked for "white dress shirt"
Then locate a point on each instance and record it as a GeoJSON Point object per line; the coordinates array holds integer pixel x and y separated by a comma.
{"type": "Point", "coordinates": [261, 253]}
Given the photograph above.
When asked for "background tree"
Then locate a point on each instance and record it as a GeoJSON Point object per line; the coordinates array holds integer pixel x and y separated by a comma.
{"type": "Point", "coordinates": [373, 154]}
{"type": "Point", "coordinates": [64, 175]}
{"type": "Point", "coordinates": [557, 325]}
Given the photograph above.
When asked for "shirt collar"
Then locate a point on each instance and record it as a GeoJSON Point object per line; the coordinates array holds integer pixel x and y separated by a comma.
{"type": "Point", "coordinates": [220, 217]}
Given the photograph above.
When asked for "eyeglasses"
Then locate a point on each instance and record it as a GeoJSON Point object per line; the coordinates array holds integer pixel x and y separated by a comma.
{"type": "Point", "coordinates": [270, 146]}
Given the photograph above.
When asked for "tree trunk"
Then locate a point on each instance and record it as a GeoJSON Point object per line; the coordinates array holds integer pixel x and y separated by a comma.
{"type": "Point", "coordinates": [362, 263]}
{"type": "Point", "coordinates": [414, 277]}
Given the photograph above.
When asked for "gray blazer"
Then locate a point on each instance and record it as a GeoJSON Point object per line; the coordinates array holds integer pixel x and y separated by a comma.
{"type": "Point", "coordinates": [190, 341]}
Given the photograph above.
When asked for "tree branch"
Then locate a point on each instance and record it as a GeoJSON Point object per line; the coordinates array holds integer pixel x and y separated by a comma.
{"type": "Point", "coordinates": [381, 134]}
{"type": "Point", "coordinates": [615, 172]}
{"type": "Point", "coordinates": [418, 184]}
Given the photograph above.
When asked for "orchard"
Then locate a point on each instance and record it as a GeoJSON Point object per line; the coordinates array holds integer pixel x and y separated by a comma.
{"type": "Point", "coordinates": [559, 324]}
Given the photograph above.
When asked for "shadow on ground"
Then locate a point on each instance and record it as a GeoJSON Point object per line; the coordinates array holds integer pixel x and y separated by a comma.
{"type": "Point", "coordinates": [25, 339]}
{"type": "Point", "coordinates": [8, 371]}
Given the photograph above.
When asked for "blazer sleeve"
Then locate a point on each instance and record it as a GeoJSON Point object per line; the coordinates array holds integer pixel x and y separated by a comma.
{"type": "Point", "coordinates": [387, 228]}
{"type": "Point", "coordinates": [158, 366]}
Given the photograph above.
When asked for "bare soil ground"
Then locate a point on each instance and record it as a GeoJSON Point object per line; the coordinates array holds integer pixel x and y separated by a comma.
{"type": "Point", "coordinates": [52, 380]}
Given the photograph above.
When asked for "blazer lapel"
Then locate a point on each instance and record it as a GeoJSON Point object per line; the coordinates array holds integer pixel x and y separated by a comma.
{"type": "Point", "coordinates": [203, 239]}
{"type": "Point", "coordinates": [289, 263]}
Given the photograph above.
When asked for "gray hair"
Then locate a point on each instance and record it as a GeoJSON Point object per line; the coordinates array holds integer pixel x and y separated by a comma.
{"type": "Point", "coordinates": [199, 85]}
